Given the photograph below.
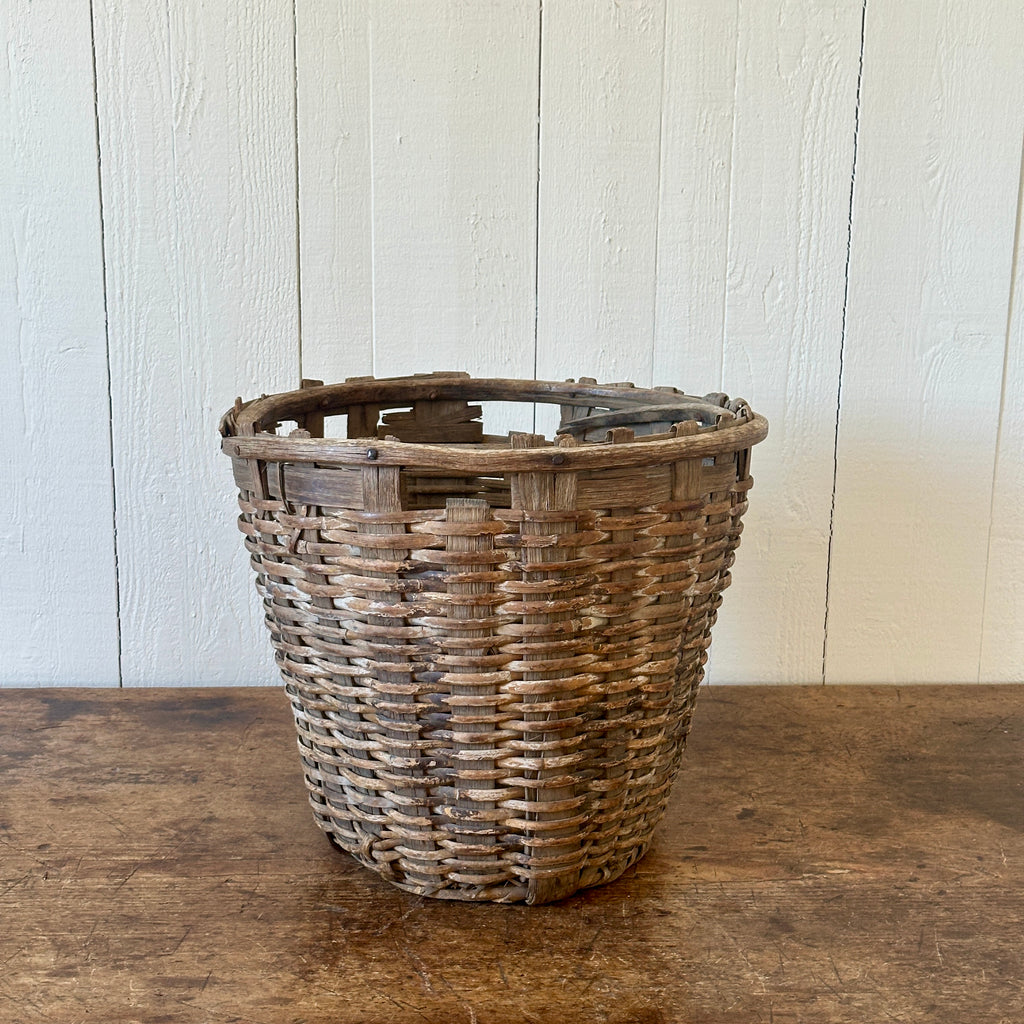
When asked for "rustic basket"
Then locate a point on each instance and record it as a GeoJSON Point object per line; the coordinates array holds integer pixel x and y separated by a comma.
{"type": "Point", "coordinates": [492, 645]}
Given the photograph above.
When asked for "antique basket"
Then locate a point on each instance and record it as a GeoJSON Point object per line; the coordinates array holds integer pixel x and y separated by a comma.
{"type": "Point", "coordinates": [492, 645]}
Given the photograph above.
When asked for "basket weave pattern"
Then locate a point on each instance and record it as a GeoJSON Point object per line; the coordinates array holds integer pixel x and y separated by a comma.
{"type": "Point", "coordinates": [492, 672]}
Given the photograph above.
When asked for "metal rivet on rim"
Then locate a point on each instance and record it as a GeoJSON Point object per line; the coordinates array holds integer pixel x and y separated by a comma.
{"type": "Point", "coordinates": [558, 460]}
{"type": "Point", "coordinates": [371, 453]}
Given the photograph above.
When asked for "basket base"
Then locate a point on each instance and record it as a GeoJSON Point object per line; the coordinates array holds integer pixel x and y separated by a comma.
{"type": "Point", "coordinates": [506, 892]}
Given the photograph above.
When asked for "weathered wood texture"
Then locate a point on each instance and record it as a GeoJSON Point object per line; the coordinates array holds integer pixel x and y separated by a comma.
{"type": "Point", "coordinates": [829, 855]}
{"type": "Point", "coordinates": [808, 204]}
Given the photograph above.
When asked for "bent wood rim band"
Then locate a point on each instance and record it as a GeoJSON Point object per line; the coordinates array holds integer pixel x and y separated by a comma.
{"type": "Point", "coordinates": [443, 456]}
{"type": "Point", "coordinates": [244, 437]}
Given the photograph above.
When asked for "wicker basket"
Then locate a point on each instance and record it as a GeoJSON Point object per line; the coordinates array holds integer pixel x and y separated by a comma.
{"type": "Point", "coordinates": [492, 645]}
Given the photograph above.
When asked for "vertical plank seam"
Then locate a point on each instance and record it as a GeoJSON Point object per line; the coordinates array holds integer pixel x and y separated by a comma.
{"type": "Point", "coordinates": [106, 339]}
{"type": "Point", "coordinates": [373, 191]}
{"type": "Point", "coordinates": [1010, 310]}
{"type": "Point", "coordinates": [657, 215]}
{"type": "Point", "coordinates": [536, 206]}
{"type": "Point", "coordinates": [729, 216]}
{"type": "Point", "coordinates": [298, 204]}
{"type": "Point", "coordinates": [842, 343]}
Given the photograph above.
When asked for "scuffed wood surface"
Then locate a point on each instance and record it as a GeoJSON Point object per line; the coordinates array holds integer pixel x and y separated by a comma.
{"type": "Point", "coordinates": [829, 855]}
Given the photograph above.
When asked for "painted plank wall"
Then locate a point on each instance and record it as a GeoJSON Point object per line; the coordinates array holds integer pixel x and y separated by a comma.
{"type": "Point", "coordinates": [792, 162]}
{"type": "Point", "coordinates": [934, 211]}
{"type": "Point", "coordinates": [197, 143]}
{"type": "Point", "coordinates": [812, 204]}
{"type": "Point", "coordinates": [58, 599]}
{"type": "Point", "coordinates": [1002, 642]}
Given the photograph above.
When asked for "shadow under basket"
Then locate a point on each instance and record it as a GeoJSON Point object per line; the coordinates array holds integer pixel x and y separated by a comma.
{"type": "Point", "coordinates": [492, 644]}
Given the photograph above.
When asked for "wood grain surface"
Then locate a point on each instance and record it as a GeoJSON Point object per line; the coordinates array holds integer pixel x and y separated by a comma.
{"type": "Point", "coordinates": [829, 855]}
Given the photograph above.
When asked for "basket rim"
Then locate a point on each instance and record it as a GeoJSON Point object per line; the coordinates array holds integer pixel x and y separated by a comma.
{"type": "Point", "coordinates": [243, 436]}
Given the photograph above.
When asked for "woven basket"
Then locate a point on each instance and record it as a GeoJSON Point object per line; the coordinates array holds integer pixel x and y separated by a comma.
{"type": "Point", "coordinates": [492, 645]}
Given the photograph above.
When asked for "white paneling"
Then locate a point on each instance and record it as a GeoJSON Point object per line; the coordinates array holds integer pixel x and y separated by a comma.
{"type": "Point", "coordinates": [1002, 651]}
{"type": "Point", "coordinates": [601, 88]}
{"type": "Point", "coordinates": [792, 162]}
{"type": "Point", "coordinates": [695, 188]}
{"type": "Point", "coordinates": [58, 598]}
{"type": "Point", "coordinates": [655, 190]}
{"type": "Point", "coordinates": [197, 141]}
{"type": "Point", "coordinates": [335, 187]}
{"type": "Point", "coordinates": [936, 197]}
{"type": "Point", "coordinates": [454, 129]}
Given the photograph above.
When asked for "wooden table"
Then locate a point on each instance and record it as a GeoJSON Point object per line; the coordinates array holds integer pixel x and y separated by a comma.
{"type": "Point", "coordinates": [830, 854]}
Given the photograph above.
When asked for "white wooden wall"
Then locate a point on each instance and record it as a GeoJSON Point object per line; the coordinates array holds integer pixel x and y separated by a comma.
{"type": "Point", "coordinates": [814, 204]}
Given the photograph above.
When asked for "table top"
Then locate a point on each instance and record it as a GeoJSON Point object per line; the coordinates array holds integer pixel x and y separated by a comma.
{"type": "Point", "coordinates": [829, 854]}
